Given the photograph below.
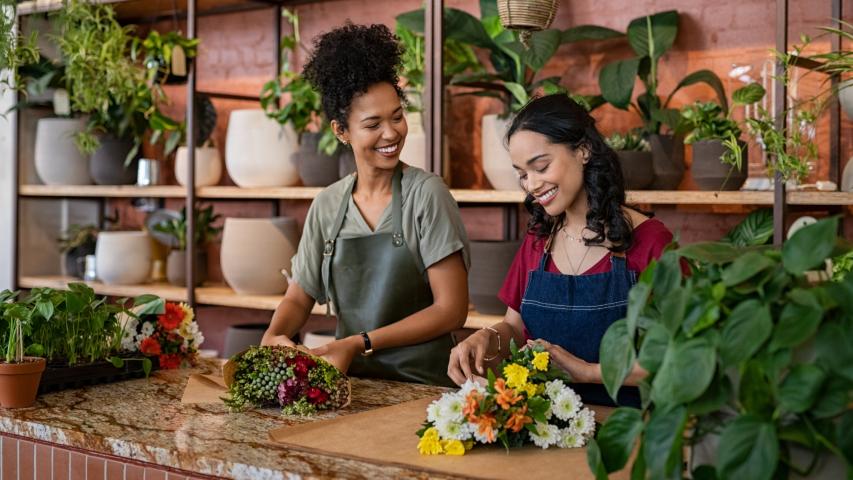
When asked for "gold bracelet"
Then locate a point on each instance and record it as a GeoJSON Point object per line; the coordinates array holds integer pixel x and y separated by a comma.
{"type": "Point", "coordinates": [489, 359]}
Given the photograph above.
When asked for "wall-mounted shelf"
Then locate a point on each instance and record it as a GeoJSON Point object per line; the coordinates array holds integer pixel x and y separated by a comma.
{"type": "Point", "coordinates": [103, 191]}
{"type": "Point", "coordinates": [152, 9]}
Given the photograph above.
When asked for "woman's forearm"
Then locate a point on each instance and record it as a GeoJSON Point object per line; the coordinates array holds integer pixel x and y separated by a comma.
{"type": "Point", "coordinates": [422, 326]}
{"type": "Point", "coordinates": [291, 313]}
{"type": "Point", "coordinates": [633, 379]}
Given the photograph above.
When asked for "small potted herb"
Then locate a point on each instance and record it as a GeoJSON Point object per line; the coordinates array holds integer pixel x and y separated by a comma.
{"type": "Point", "coordinates": [19, 374]}
{"type": "Point", "coordinates": [205, 233]}
{"type": "Point", "coordinates": [635, 158]}
{"type": "Point", "coordinates": [165, 55]}
{"type": "Point", "coordinates": [75, 243]}
{"type": "Point", "coordinates": [208, 162]}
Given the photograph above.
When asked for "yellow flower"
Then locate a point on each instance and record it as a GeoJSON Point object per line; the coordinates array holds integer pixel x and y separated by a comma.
{"type": "Point", "coordinates": [530, 389]}
{"type": "Point", "coordinates": [188, 314]}
{"type": "Point", "coordinates": [453, 447]}
{"type": "Point", "coordinates": [516, 375]}
{"type": "Point", "coordinates": [429, 444]}
{"type": "Point", "coordinates": [540, 361]}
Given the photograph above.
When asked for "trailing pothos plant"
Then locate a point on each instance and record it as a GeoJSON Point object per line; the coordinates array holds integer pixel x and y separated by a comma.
{"type": "Point", "coordinates": [650, 37]}
{"type": "Point", "coordinates": [514, 68]}
{"type": "Point", "coordinates": [744, 348]}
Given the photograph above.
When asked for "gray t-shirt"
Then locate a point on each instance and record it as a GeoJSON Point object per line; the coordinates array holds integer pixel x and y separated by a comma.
{"type": "Point", "coordinates": [432, 227]}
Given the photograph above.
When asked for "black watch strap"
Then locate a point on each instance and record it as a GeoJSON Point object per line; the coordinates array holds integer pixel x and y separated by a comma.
{"type": "Point", "coordinates": [368, 347]}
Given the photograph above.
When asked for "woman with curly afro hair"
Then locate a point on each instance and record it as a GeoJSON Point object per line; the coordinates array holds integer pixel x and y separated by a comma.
{"type": "Point", "coordinates": [386, 245]}
{"type": "Point", "coordinates": [571, 276]}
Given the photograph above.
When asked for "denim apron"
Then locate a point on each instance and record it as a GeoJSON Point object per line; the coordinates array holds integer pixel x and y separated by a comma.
{"type": "Point", "coordinates": [374, 281]}
{"type": "Point", "coordinates": [574, 311]}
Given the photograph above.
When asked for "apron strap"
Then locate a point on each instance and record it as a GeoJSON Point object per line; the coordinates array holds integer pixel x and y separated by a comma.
{"type": "Point", "coordinates": [397, 206]}
{"type": "Point", "coordinates": [329, 247]}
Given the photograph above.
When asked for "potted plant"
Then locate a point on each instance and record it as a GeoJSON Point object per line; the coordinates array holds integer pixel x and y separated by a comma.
{"type": "Point", "coordinates": [650, 37]}
{"type": "Point", "coordinates": [75, 243]}
{"type": "Point", "coordinates": [838, 62]}
{"type": "Point", "coordinates": [208, 164]}
{"type": "Point", "coordinates": [165, 55]}
{"type": "Point", "coordinates": [205, 233]}
{"type": "Point", "coordinates": [749, 364]}
{"type": "Point", "coordinates": [19, 374]}
{"type": "Point", "coordinates": [635, 158]}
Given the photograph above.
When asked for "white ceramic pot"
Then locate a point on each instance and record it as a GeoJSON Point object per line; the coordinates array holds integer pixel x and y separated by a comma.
{"type": "Point", "coordinates": [258, 150]}
{"type": "Point", "coordinates": [57, 159]}
{"type": "Point", "coordinates": [123, 258]}
{"type": "Point", "coordinates": [496, 162]}
{"type": "Point", "coordinates": [254, 252]}
{"type": "Point", "coordinates": [847, 177]}
{"type": "Point", "coordinates": [414, 150]}
{"type": "Point", "coordinates": [845, 97]}
{"type": "Point", "coordinates": [208, 166]}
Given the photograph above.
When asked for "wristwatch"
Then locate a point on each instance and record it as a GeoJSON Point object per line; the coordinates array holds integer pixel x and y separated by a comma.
{"type": "Point", "coordinates": [368, 347]}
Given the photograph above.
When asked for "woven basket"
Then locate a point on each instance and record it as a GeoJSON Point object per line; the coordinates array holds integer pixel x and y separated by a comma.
{"type": "Point", "coordinates": [527, 14]}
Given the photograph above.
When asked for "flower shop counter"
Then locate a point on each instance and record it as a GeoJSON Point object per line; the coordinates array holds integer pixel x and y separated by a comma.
{"type": "Point", "coordinates": [140, 429]}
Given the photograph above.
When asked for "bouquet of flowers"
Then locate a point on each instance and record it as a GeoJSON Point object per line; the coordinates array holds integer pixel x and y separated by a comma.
{"type": "Point", "coordinates": [172, 337]}
{"type": "Point", "coordinates": [530, 402]}
{"type": "Point", "coordinates": [296, 381]}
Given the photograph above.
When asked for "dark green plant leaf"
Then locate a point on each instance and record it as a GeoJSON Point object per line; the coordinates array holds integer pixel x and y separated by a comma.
{"type": "Point", "coordinates": [748, 94]}
{"type": "Point", "coordinates": [638, 469]}
{"type": "Point", "coordinates": [833, 398]}
{"type": "Point", "coordinates": [834, 346]}
{"type": "Point", "coordinates": [750, 449]}
{"type": "Point", "coordinates": [149, 304]}
{"type": "Point", "coordinates": [464, 27]}
{"type": "Point", "coordinates": [667, 274]}
{"type": "Point", "coordinates": [845, 437]}
{"type": "Point", "coordinates": [589, 32]}
{"type": "Point", "coordinates": [799, 320]}
{"type": "Point", "coordinates": [674, 383]}
{"type": "Point", "coordinates": [755, 393]}
{"type": "Point", "coordinates": [593, 460]}
{"type": "Point", "coordinates": [747, 328]}
{"type": "Point", "coordinates": [617, 356]}
{"type": "Point", "coordinates": [708, 78]}
{"type": "Point", "coordinates": [146, 366]}
{"type": "Point", "coordinates": [810, 246]}
{"type": "Point", "coordinates": [700, 317]}
{"type": "Point", "coordinates": [704, 472]}
{"type": "Point", "coordinates": [637, 298]}
{"type": "Point", "coordinates": [617, 436]}
{"type": "Point", "coordinates": [800, 387]}
{"type": "Point", "coordinates": [117, 362]}
{"type": "Point", "coordinates": [654, 347]}
{"type": "Point", "coordinates": [616, 82]}
{"type": "Point", "coordinates": [718, 393]}
{"type": "Point", "coordinates": [745, 267]}
{"type": "Point", "coordinates": [673, 307]}
{"type": "Point", "coordinates": [488, 8]}
{"type": "Point", "coordinates": [662, 439]}
{"type": "Point", "coordinates": [543, 45]}
{"type": "Point", "coordinates": [45, 309]}
{"type": "Point", "coordinates": [710, 252]}
{"type": "Point", "coordinates": [654, 43]}
{"type": "Point", "coordinates": [34, 350]}
{"type": "Point", "coordinates": [755, 229]}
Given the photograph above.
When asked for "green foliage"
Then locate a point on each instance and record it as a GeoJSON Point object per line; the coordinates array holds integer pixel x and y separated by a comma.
{"type": "Point", "coordinates": [205, 232]}
{"type": "Point", "coordinates": [15, 49]}
{"type": "Point", "coordinates": [744, 347]}
{"type": "Point", "coordinates": [755, 229]}
{"type": "Point", "coordinates": [629, 141]}
{"type": "Point", "coordinates": [706, 121]}
{"type": "Point", "coordinates": [156, 50]}
{"type": "Point", "coordinates": [77, 235]}
{"type": "Point", "coordinates": [790, 152]}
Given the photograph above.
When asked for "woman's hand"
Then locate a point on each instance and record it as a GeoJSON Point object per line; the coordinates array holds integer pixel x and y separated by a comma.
{"type": "Point", "coordinates": [579, 370]}
{"type": "Point", "coordinates": [340, 352]}
{"type": "Point", "coordinates": [470, 352]}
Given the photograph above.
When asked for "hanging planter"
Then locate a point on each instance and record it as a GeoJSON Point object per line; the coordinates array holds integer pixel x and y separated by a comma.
{"type": "Point", "coordinates": [527, 15]}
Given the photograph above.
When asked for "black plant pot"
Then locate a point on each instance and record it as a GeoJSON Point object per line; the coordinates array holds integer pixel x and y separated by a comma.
{"type": "Point", "coordinates": [490, 261]}
{"type": "Point", "coordinates": [74, 258]}
{"type": "Point", "coordinates": [107, 164]}
{"type": "Point", "coordinates": [710, 173]}
{"type": "Point", "coordinates": [316, 169]}
{"type": "Point", "coordinates": [176, 268]}
{"type": "Point", "coordinates": [667, 161]}
{"type": "Point", "coordinates": [637, 169]}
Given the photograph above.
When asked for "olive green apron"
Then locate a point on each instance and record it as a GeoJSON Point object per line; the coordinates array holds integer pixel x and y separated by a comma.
{"type": "Point", "coordinates": [375, 281]}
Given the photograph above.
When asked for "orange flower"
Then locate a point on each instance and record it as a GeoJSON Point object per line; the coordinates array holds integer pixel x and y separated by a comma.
{"type": "Point", "coordinates": [150, 346]}
{"type": "Point", "coordinates": [507, 397]}
{"type": "Point", "coordinates": [472, 404]}
{"type": "Point", "coordinates": [486, 426]}
{"type": "Point", "coordinates": [518, 420]}
{"type": "Point", "coordinates": [172, 317]}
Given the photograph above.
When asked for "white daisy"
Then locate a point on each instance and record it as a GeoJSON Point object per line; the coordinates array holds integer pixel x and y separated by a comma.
{"type": "Point", "coordinates": [451, 408]}
{"type": "Point", "coordinates": [584, 423]}
{"type": "Point", "coordinates": [448, 429]}
{"type": "Point", "coordinates": [546, 435]}
{"type": "Point", "coordinates": [566, 404]}
{"type": "Point", "coordinates": [469, 386]}
{"type": "Point", "coordinates": [433, 411]}
{"type": "Point", "coordinates": [147, 329]}
{"type": "Point", "coordinates": [570, 439]}
{"type": "Point", "coordinates": [554, 387]}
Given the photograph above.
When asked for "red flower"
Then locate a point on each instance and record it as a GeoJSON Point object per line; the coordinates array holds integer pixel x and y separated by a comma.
{"type": "Point", "coordinates": [169, 361]}
{"type": "Point", "coordinates": [150, 346]}
{"type": "Point", "coordinates": [172, 317]}
{"type": "Point", "coordinates": [303, 364]}
{"type": "Point", "coordinates": [317, 396]}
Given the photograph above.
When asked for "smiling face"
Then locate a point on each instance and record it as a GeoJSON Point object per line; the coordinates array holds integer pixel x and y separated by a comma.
{"type": "Point", "coordinates": [376, 127]}
{"type": "Point", "coordinates": [552, 173]}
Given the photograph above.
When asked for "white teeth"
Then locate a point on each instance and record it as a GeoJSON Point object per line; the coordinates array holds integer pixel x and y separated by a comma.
{"type": "Point", "coordinates": [548, 195]}
{"type": "Point", "coordinates": [389, 149]}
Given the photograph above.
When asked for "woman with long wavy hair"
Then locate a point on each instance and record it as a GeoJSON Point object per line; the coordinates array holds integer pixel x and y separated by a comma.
{"type": "Point", "coordinates": [584, 248]}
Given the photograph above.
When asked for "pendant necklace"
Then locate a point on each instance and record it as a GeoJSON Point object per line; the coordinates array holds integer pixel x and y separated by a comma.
{"type": "Point", "coordinates": [566, 250]}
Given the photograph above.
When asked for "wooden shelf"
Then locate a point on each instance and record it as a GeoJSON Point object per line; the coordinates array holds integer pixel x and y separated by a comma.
{"type": "Point", "coordinates": [280, 193]}
{"type": "Point", "coordinates": [820, 198]}
{"type": "Point", "coordinates": [166, 291]}
{"type": "Point", "coordinates": [103, 191]}
{"type": "Point", "coordinates": [147, 9]}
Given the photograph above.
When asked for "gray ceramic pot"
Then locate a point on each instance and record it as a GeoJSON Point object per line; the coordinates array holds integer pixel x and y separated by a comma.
{"type": "Point", "coordinates": [176, 268]}
{"type": "Point", "coordinates": [637, 169]}
{"type": "Point", "coordinates": [107, 165]}
{"type": "Point", "coordinates": [315, 169]}
{"type": "Point", "coordinates": [710, 173]}
{"type": "Point", "coordinates": [667, 161]}
{"type": "Point", "coordinates": [490, 261]}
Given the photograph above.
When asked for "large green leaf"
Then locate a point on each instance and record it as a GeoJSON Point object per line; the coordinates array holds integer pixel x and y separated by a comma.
{"type": "Point", "coordinates": [637, 298]}
{"type": "Point", "coordinates": [464, 27]}
{"type": "Point", "coordinates": [673, 306]}
{"type": "Point", "coordinates": [833, 398]}
{"type": "Point", "coordinates": [653, 348]}
{"type": "Point", "coordinates": [589, 32]}
{"type": "Point", "coordinates": [662, 440]}
{"type": "Point", "coordinates": [834, 346]}
{"type": "Point", "coordinates": [653, 35]}
{"type": "Point", "coordinates": [745, 267]}
{"type": "Point", "coordinates": [799, 320]}
{"type": "Point", "coordinates": [799, 390]}
{"type": "Point", "coordinates": [755, 392]}
{"type": "Point", "coordinates": [749, 448]}
{"type": "Point", "coordinates": [755, 229]}
{"type": "Point", "coordinates": [488, 8]}
{"type": "Point", "coordinates": [712, 400]}
{"type": "Point", "coordinates": [593, 460]}
{"type": "Point", "coordinates": [748, 94]}
{"type": "Point", "coordinates": [809, 247]}
{"type": "Point", "coordinates": [708, 78]}
{"type": "Point", "coordinates": [687, 369]}
{"type": "Point", "coordinates": [616, 82]}
{"type": "Point", "coordinates": [747, 328]}
{"type": "Point", "coordinates": [845, 437]}
{"type": "Point", "coordinates": [710, 252]}
{"type": "Point", "coordinates": [667, 274]}
{"type": "Point", "coordinates": [518, 92]}
{"type": "Point", "coordinates": [542, 47]}
{"type": "Point", "coordinates": [617, 436]}
{"type": "Point", "coordinates": [617, 356]}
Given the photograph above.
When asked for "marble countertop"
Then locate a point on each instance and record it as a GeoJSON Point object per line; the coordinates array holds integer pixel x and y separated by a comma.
{"type": "Point", "coordinates": [144, 420]}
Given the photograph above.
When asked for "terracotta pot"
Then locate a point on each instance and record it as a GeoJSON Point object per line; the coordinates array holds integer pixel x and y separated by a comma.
{"type": "Point", "coordinates": [19, 382]}
{"type": "Point", "coordinates": [667, 161]}
{"type": "Point", "coordinates": [637, 169]}
{"type": "Point", "coordinates": [107, 165]}
{"type": "Point", "coordinates": [316, 169]}
{"type": "Point", "coordinates": [208, 166]}
{"type": "Point", "coordinates": [490, 262]}
{"type": "Point", "coordinates": [176, 267]}
{"type": "Point", "coordinates": [241, 337]}
{"type": "Point", "coordinates": [710, 173]}
{"type": "Point", "coordinates": [57, 159]}
{"type": "Point", "coordinates": [496, 162]}
{"type": "Point", "coordinates": [123, 258]}
{"type": "Point", "coordinates": [258, 150]}
{"type": "Point", "coordinates": [255, 250]}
